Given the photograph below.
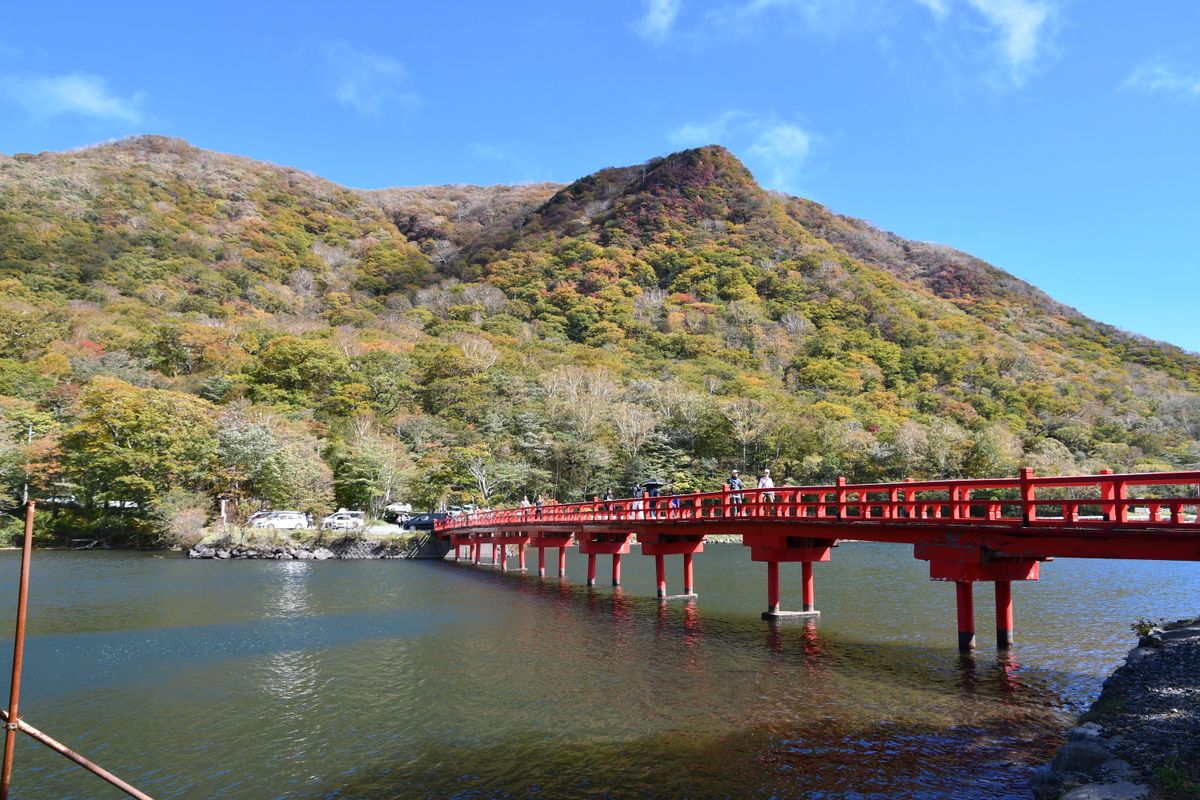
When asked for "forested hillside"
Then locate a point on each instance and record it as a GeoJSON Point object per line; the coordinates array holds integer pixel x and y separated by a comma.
{"type": "Point", "coordinates": [181, 326]}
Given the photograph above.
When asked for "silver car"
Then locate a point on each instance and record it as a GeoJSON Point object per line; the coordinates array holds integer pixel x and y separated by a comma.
{"type": "Point", "coordinates": [281, 520]}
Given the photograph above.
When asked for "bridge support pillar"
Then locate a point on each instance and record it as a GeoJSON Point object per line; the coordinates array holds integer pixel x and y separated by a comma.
{"type": "Point", "coordinates": [475, 553]}
{"type": "Point", "coordinates": [1004, 614]}
{"type": "Point", "coordinates": [772, 587]}
{"type": "Point", "coordinates": [966, 615]}
{"type": "Point", "coordinates": [966, 564]}
{"type": "Point", "coordinates": [521, 557]}
{"type": "Point", "coordinates": [773, 548]}
{"type": "Point", "coordinates": [660, 573]}
{"type": "Point", "coordinates": [562, 562]}
{"type": "Point", "coordinates": [504, 558]}
{"type": "Point", "coordinates": [591, 579]}
{"type": "Point", "coordinates": [688, 585]}
{"type": "Point", "coordinates": [541, 562]}
{"type": "Point", "coordinates": [616, 569]}
{"type": "Point", "coordinates": [495, 555]}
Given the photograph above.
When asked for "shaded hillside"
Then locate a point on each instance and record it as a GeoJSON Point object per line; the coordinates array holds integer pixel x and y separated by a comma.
{"type": "Point", "coordinates": [183, 325]}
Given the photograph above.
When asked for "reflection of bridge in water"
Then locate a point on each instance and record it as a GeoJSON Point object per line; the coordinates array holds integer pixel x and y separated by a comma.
{"type": "Point", "coordinates": [997, 530]}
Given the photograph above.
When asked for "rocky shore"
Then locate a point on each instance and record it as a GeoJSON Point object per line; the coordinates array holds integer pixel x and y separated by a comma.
{"type": "Point", "coordinates": [340, 549]}
{"type": "Point", "coordinates": [1141, 738]}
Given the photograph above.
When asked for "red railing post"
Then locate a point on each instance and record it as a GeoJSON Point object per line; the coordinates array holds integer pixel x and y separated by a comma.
{"type": "Point", "coordinates": [1120, 494]}
{"type": "Point", "coordinates": [840, 483]}
{"type": "Point", "coordinates": [1108, 493]}
{"type": "Point", "coordinates": [1028, 496]}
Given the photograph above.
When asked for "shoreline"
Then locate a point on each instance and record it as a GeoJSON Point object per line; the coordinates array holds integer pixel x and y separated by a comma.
{"type": "Point", "coordinates": [1140, 740]}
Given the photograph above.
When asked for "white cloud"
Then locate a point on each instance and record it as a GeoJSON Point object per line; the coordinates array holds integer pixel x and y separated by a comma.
{"type": "Point", "coordinates": [368, 82]}
{"type": "Point", "coordinates": [1020, 25]}
{"type": "Point", "coordinates": [938, 7]}
{"type": "Point", "coordinates": [774, 149]}
{"type": "Point", "coordinates": [656, 24]}
{"type": "Point", "coordinates": [713, 131]}
{"type": "Point", "coordinates": [1019, 31]}
{"type": "Point", "coordinates": [78, 93]}
{"type": "Point", "coordinates": [1158, 76]}
{"type": "Point", "coordinates": [782, 149]}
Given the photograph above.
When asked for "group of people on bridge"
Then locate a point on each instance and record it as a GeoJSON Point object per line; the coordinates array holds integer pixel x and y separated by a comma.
{"type": "Point", "coordinates": [649, 489]}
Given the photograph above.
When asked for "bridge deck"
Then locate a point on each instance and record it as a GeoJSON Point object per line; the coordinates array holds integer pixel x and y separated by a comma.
{"type": "Point", "coordinates": [968, 530]}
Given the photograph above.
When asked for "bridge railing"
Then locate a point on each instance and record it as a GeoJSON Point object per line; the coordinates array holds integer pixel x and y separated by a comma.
{"type": "Point", "coordinates": [1155, 499]}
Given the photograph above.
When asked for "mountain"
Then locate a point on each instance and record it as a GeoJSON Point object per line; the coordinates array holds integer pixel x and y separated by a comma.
{"type": "Point", "coordinates": [330, 345]}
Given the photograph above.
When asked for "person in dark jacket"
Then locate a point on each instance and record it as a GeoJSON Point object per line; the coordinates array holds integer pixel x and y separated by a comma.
{"type": "Point", "coordinates": [735, 486]}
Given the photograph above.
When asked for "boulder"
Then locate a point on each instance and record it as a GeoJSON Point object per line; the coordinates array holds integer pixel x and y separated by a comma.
{"type": "Point", "coordinates": [1122, 790]}
{"type": "Point", "coordinates": [1080, 756]}
{"type": "Point", "coordinates": [1088, 731]}
{"type": "Point", "coordinates": [223, 554]}
{"type": "Point", "coordinates": [1046, 785]}
{"type": "Point", "coordinates": [322, 554]}
{"type": "Point", "coordinates": [303, 555]}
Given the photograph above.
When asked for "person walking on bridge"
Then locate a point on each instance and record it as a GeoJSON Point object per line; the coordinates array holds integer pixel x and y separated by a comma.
{"type": "Point", "coordinates": [766, 499]}
{"type": "Point", "coordinates": [736, 485]}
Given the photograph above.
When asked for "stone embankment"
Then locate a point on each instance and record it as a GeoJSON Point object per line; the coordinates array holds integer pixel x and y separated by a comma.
{"type": "Point", "coordinates": [343, 548]}
{"type": "Point", "coordinates": [1141, 738]}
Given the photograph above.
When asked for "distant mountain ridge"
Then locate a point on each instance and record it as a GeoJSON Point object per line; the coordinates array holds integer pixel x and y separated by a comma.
{"type": "Point", "coordinates": [671, 317]}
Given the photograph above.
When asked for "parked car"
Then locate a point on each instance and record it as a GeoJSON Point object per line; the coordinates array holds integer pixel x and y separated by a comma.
{"type": "Point", "coordinates": [343, 520]}
{"type": "Point", "coordinates": [397, 512]}
{"type": "Point", "coordinates": [424, 522]}
{"type": "Point", "coordinates": [280, 520]}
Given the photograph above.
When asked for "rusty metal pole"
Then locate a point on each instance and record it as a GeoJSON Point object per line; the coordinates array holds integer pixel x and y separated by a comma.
{"type": "Point", "coordinates": [14, 692]}
{"type": "Point", "coordinates": [71, 755]}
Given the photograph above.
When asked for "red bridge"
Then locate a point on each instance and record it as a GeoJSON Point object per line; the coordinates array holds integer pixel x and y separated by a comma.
{"type": "Point", "coordinates": [997, 530]}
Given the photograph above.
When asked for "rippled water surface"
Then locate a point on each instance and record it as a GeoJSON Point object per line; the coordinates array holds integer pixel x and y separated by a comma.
{"type": "Point", "coordinates": [201, 679]}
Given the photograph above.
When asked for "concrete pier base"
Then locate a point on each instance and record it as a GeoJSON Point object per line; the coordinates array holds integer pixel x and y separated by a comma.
{"type": "Point", "coordinates": [778, 615]}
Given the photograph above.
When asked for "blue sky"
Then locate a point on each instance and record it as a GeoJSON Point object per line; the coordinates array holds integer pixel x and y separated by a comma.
{"type": "Point", "coordinates": [1055, 138]}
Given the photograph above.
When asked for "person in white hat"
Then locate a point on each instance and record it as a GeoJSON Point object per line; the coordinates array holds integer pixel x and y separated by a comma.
{"type": "Point", "coordinates": [765, 482]}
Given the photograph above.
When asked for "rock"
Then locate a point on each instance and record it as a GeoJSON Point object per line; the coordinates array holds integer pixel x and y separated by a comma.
{"type": "Point", "coordinates": [202, 551]}
{"type": "Point", "coordinates": [1080, 756]}
{"type": "Point", "coordinates": [1150, 641]}
{"type": "Point", "coordinates": [1045, 784]}
{"type": "Point", "coordinates": [1123, 790]}
{"type": "Point", "coordinates": [1089, 731]}
{"type": "Point", "coordinates": [322, 554]}
{"type": "Point", "coordinates": [303, 555]}
{"type": "Point", "coordinates": [1118, 769]}
{"type": "Point", "coordinates": [1140, 653]}
{"type": "Point", "coordinates": [1173, 634]}
{"type": "Point", "coordinates": [222, 554]}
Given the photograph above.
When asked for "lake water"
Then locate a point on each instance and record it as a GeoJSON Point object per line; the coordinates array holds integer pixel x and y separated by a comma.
{"type": "Point", "coordinates": [382, 679]}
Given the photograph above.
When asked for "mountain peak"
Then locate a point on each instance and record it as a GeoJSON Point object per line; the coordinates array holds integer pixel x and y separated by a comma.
{"type": "Point", "coordinates": [687, 187]}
